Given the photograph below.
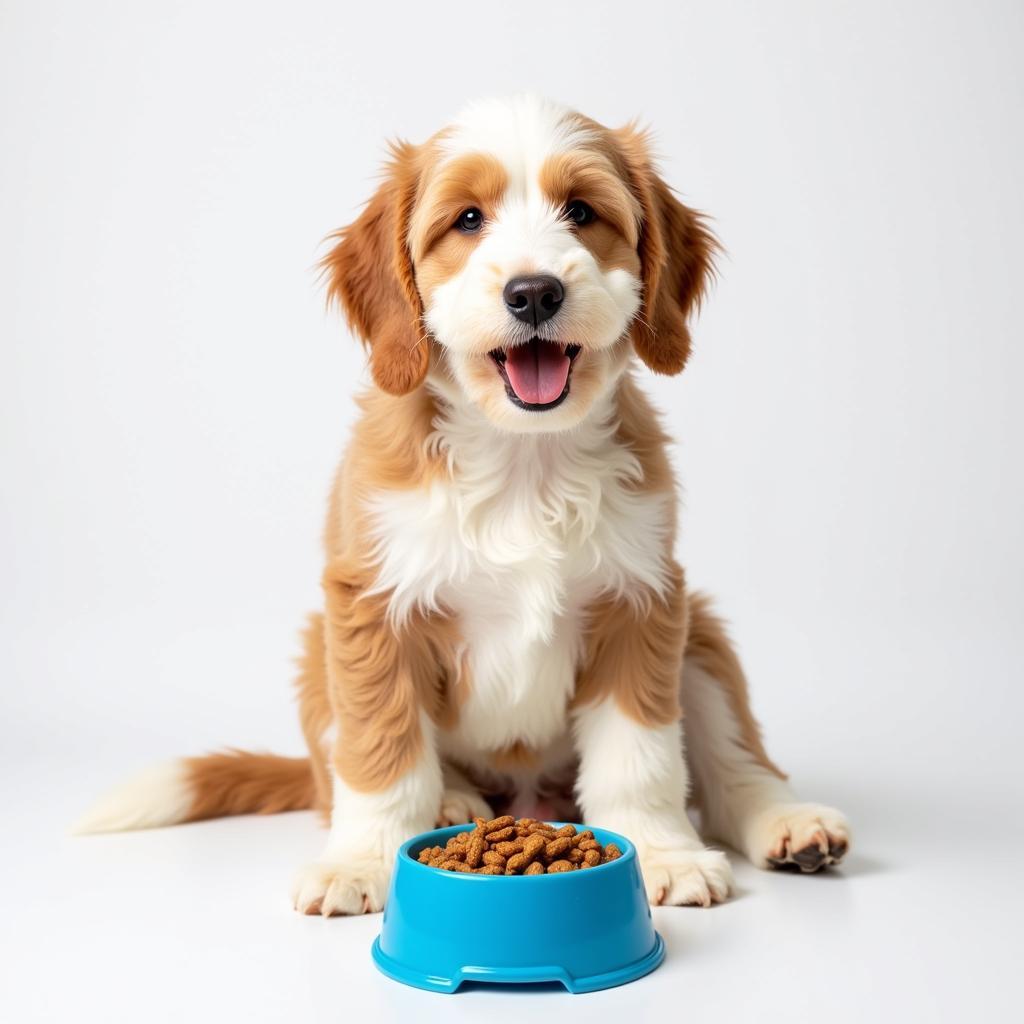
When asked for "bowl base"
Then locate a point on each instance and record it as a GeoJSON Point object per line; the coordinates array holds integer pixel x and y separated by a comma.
{"type": "Point", "coordinates": [519, 975]}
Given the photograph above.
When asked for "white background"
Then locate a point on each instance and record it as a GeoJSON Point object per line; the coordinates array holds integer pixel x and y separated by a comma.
{"type": "Point", "coordinates": [173, 397]}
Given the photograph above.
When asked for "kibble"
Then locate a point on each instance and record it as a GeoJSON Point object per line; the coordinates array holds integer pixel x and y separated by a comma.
{"type": "Point", "coordinates": [557, 847]}
{"type": "Point", "coordinates": [507, 846]}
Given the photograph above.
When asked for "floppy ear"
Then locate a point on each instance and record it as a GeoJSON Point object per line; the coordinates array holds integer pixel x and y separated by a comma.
{"type": "Point", "coordinates": [369, 272]}
{"type": "Point", "coordinates": [676, 257]}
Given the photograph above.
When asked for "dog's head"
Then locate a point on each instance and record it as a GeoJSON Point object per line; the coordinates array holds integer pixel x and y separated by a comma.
{"type": "Point", "coordinates": [517, 260]}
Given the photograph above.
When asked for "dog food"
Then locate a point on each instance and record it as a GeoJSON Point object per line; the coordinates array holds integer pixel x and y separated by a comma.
{"type": "Point", "coordinates": [524, 846]}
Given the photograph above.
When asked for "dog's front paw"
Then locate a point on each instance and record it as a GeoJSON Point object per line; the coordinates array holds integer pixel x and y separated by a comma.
{"type": "Point", "coordinates": [807, 837]}
{"type": "Point", "coordinates": [459, 806]}
{"type": "Point", "coordinates": [348, 885]}
{"type": "Point", "coordinates": [685, 877]}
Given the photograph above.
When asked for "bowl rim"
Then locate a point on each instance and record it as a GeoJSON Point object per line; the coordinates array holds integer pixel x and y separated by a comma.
{"type": "Point", "coordinates": [404, 853]}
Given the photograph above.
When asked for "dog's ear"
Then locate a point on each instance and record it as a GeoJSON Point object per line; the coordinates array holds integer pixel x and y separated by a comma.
{"type": "Point", "coordinates": [369, 272]}
{"type": "Point", "coordinates": [677, 254]}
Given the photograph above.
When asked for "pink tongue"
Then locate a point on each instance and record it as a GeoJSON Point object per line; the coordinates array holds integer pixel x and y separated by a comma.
{"type": "Point", "coordinates": [537, 371]}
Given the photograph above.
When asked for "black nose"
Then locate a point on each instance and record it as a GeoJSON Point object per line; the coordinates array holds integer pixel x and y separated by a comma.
{"type": "Point", "coordinates": [533, 299]}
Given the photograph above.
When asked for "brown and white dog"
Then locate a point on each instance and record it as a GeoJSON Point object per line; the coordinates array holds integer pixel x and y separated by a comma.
{"type": "Point", "coordinates": [505, 626]}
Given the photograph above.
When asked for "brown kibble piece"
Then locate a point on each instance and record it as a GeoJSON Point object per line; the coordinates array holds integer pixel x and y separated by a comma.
{"type": "Point", "coordinates": [612, 852]}
{"type": "Point", "coordinates": [517, 863]}
{"type": "Point", "coordinates": [510, 847]}
{"type": "Point", "coordinates": [589, 844]}
{"type": "Point", "coordinates": [474, 851]}
{"type": "Point", "coordinates": [490, 869]}
{"type": "Point", "coordinates": [497, 823]}
{"type": "Point", "coordinates": [536, 868]}
{"type": "Point", "coordinates": [558, 865]}
{"type": "Point", "coordinates": [502, 833]}
{"type": "Point", "coordinates": [592, 858]}
{"type": "Point", "coordinates": [574, 857]}
{"type": "Point", "coordinates": [493, 858]}
{"type": "Point", "coordinates": [557, 847]}
{"type": "Point", "coordinates": [532, 845]}
{"type": "Point", "coordinates": [566, 830]}
{"type": "Point", "coordinates": [582, 837]}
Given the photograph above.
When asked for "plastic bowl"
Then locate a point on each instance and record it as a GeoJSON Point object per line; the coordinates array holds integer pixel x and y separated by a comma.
{"type": "Point", "coordinates": [587, 929]}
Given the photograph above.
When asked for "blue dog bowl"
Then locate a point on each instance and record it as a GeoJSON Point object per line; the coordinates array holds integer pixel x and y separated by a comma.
{"type": "Point", "coordinates": [587, 929]}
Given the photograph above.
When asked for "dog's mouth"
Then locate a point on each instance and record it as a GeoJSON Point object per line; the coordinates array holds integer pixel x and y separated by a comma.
{"type": "Point", "coordinates": [537, 374]}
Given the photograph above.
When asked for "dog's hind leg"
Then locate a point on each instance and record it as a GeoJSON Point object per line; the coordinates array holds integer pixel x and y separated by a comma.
{"type": "Point", "coordinates": [744, 799]}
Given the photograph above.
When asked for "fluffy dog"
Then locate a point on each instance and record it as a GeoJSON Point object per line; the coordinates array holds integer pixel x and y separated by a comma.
{"type": "Point", "coordinates": [505, 626]}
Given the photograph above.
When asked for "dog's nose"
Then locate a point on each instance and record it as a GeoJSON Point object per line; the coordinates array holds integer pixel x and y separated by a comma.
{"type": "Point", "coordinates": [535, 298]}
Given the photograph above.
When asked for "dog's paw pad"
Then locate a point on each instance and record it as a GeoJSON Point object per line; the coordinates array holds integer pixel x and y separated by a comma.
{"type": "Point", "coordinates": [799, 837]}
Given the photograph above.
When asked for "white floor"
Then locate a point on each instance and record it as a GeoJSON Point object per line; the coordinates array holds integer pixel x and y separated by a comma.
{"type": "Point", "coordinates": [173, 398]}
{"type": "Point", "coordinates": [193, 923]}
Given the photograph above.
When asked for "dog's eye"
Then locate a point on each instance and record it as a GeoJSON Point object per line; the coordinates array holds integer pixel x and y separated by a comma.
{"type": "Point", "coordinates": [470, 220]}
{"type": "Point", "coordinates": [579, 213]}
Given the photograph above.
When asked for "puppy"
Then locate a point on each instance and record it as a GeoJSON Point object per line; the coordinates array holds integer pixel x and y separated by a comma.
{"type": "Point", "coordinates": [505, 626]}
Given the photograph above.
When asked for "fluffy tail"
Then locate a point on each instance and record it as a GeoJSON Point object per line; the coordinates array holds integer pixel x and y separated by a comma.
{"type": "Point", "coordinates": [194, 788]}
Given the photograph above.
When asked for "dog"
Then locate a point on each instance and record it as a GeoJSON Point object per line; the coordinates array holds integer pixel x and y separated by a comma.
{"type": "Point", "coordinates": [505, 627]}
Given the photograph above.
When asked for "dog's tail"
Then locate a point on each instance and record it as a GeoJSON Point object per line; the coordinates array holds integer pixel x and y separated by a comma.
{"type": "Point", "coordinates": [195, 788]}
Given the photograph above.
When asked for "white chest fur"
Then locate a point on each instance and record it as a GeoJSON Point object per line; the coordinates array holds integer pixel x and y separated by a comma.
{"type": "Point", "coordinates": [524, 532]}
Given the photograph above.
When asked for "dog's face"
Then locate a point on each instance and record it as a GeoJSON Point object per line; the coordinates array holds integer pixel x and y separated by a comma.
{"type": "Point", "coordinates": [517, 261]}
